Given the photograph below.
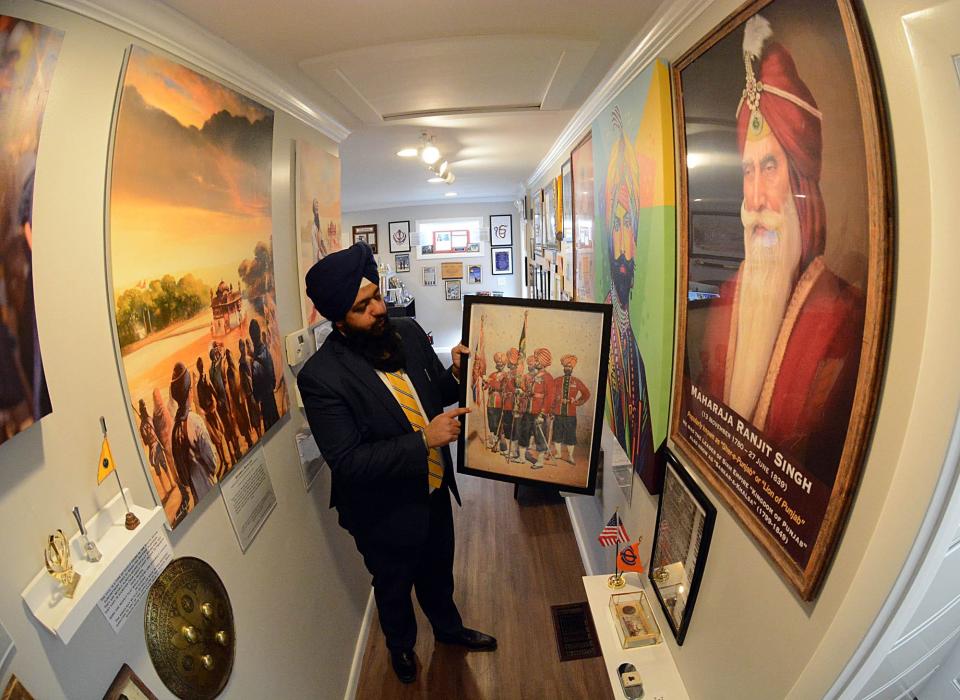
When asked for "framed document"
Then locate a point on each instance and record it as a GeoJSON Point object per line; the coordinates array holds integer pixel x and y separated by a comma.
{"type": "Point", "coordinates": [501, 229]}
{"type": "Point", "coordinates": [399, 234]}
{"type": "Point", "coordinates": [681, 540]}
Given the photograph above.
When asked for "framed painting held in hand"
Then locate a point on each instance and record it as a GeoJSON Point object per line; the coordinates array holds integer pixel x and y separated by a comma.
{"type": "Point", "coordinates": [783, 139]}
{"type": "Point", "coordinates": [535, 382]}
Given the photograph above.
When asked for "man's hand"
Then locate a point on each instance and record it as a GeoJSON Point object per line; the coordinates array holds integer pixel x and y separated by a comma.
{"type": "Point", "coordinates": [445, 428]}
{"type": "Point", "coordinates": [457, 354]}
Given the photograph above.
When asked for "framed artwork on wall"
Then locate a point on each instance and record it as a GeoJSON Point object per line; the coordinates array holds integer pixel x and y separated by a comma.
{"type": "Point", "coordinates": [452, 290]}
{"type": "Point", "coordinates": [501, 229]}
{"type": "Point", "coordinates": [399, 234]}
{"type": "Point", "coordinates": [317, 213]}
{"type": "Point", "coordinates": [183, 311]}
{"type": "Point", "coordinates": [366, 233]}
{"type": "Point", "coordinates": [451, 270]}
{"type": "Point", "coordinates": [474, 274]}
{"type": "Point", "coordinates": [778, 370]}
{"type": "Point", "coordinates": [681, 540]}
{"type": "Point", "coordinates": [502, 261]}
{"type": "Point", "coordinates": [554, 377]}
{"type": "Point", "coordinates": [128, 686]}
{"type": "Point", "coordinates": [429, 276]}
{"type": "Point", "coordinates": [402, 262]}
{"type": "Point", "coordinates": [581, 166]}
{"type": "Point", "coordinates": [31, 54]}
{"type": "Point", "coordinates": [550, 214]}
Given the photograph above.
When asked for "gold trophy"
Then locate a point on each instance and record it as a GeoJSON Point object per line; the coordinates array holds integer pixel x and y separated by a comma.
{"type": "Point", "coordinates": [57, 556]}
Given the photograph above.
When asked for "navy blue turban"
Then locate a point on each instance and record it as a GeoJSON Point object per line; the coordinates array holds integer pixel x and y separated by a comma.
{"type": "Point", "coordinates": [333, 282]}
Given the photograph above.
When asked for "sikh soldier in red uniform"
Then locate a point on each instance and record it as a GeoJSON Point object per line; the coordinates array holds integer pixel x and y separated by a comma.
{"type": "Point", "coordinates": [509, 413]}
{"type": "Point", "coordinates": [494, 385]}
{"type": "Point", "coordinates": [569, 393]}
{"type": "Point", "coordinates": [538, 386]}
{"type": "Point", "coordinates": [521, 411]}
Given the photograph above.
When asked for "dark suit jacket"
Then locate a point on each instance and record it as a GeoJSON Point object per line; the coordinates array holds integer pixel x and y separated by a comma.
{"type": "Point", "coordinates": [379, 462]}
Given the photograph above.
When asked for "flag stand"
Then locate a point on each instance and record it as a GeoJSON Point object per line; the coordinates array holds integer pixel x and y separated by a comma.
{"type": "Point", "coordinates": [131, 522]}
{"type": "Point", "coordinates": [616, 579]}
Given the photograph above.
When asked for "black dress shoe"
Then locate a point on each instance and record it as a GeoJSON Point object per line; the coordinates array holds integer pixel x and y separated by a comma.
{"type": "Point", "coordinates": [471, 639]}
{"type": "Point", "coordinates": [405, 665]}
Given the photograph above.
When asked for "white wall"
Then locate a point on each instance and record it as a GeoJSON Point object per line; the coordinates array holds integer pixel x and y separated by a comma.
{"type": "Point", "coordinates": [300, 591]}
{"type": "Point", "coordinates": [434, 313]}
{"type": "Point", "coordinates": [751, 636]}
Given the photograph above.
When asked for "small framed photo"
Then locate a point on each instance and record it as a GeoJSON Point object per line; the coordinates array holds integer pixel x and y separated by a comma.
{"type": "Point", "coordinates": [430, 276]}
{"type": "Point", "coordinates": [452, 290]}
{"type": "Point", "coordinates": [127, 686]}
{"type": "Point", "coordinates": [681, 540]}
{"type": "Point", "coordinates": [399, 233]}
{"type": "Point", "coordinates": [474, 274]}
{"type": "Point", "coordinates": [451, 271]}
{"type": "Point", "coordinates": [15, 690]}
{"type": "Point", "coordinates": [501, 260]}
{"type": "Point", "coordinates": [501, 229]}
{"type": "Point", "coordinates": [402, 262]}
{"type": "Point", "coordinates": [366, 233]}
{"type": "Point", "coordinates": [537, 415]}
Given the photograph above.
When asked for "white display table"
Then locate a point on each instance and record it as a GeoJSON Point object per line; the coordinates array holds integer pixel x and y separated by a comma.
{"type": "Point", "coordinates": [661, 680]}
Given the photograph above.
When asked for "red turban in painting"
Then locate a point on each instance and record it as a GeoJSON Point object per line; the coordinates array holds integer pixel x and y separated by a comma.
{"type": "Point", "coordinates": [790, 110]}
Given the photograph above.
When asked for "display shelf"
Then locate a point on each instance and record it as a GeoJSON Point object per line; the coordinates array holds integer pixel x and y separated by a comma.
{"type": "Point", "coordinates": [661, 680]}
{"type": "Point", "coordinates": [62, 616]}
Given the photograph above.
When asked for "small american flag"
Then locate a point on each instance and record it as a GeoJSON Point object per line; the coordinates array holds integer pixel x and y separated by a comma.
{"type": "Point", "coordinates": [613, 532]}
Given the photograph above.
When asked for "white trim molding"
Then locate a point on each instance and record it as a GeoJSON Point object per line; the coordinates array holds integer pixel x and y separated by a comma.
{"type": "Point", "coordinates": [167, 29]}
{"type": "Point", "coordinates": [356, 667]}
{"type": "Point", "coordinates": [402, 204]}
{"type": "Point", "coordinates": [672, 18]}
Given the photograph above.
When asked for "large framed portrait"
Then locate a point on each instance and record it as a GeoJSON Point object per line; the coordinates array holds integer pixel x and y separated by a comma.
{"type": "Point", "coordinates": [681, 540]}
{"type": "Point", "coordinates": [501, 229]}
{"type": "Point", "coordinates": [399, 234]}
{"type": "Point", "coordinates": [581, 162]}
{"type": "Point", "coordinates": [537, 373]}
{"type": "Point", "coordinates": [786, 238]}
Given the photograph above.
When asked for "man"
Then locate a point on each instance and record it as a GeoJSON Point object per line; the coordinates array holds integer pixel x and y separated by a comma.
{"type": "Point", "coordinates": [264, 377]}
{"type": "Point", "coordinates": [523, 425]}
{"type": "Point", "coordinates": [219, 384]}
{"type": "Point", "coordinates": [782, 342]}
{"type": "Point", "coordinates": [374, 394]}
{"type": "Point", "coordinates": [319, 247]}
{"type": "Point", "coordinates": [207, 402]}
{"type": "Point", "coordinates": [510, 405]}
{"type": "Point", "coordinates": [627, 387]}
{"type": "Point", "coordinates": [494, 386]}
{"type": "Point", "coordinates": [569, 393]}
{"type": "Point", "coordinates": [193, 456]}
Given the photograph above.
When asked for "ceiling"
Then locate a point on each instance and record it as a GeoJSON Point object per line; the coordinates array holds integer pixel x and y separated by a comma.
{"type": "Point", "coordinates": [494, 82]}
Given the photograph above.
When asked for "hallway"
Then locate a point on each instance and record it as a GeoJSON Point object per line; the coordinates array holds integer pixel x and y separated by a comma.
{"type": "Point", "coordinates": [513, 562]}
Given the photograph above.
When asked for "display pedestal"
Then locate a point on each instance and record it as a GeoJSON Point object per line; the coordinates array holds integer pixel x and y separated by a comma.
{"type": "Point", "coordinates": [654, 663]}
{"type": "Point", "coordinates": [62, 616]}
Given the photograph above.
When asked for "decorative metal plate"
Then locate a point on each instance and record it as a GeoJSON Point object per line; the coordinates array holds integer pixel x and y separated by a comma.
{"type": "Point", "coordinates": [188, 624]}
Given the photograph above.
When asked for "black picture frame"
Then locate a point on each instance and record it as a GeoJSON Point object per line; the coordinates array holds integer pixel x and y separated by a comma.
{"type": "Point", "coordinates": [501, 230]}
{"type": "Point", "coordinates": [678, 484]}
{"type": "Point", "coordinates": [398, 243]}
{"type": "Point", "coordinates": [558, 339]}
{"type": "Point", "coordinates": [366, 233]}
{"type": "Point", "coordinates": [500, 253]}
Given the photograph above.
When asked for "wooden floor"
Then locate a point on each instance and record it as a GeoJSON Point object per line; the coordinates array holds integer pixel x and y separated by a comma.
{"type": "Point", "coordinates": [512, 563]}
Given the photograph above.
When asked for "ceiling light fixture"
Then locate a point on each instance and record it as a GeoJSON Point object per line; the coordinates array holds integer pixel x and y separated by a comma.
{"type": "Point", "coordinates": [430, 154]}
{"type": "Point", "coordinates": [449, 177]}
{"type": "Point", "coordinates": [407, 152]}
{"type": "Point", "coordinates": [443, 168]}
{"type": "Point", "coordinates": [436, 180]}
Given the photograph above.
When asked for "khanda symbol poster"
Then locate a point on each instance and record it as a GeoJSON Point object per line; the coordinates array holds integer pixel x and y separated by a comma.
{"type": "Point", "coordinates": [191, 261]}
{"type": "Point", "coordinates": [634, 261]}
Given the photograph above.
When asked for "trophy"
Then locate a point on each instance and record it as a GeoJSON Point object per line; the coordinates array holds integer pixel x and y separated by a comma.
{"type": "Point", "coordinates": [57, 557]}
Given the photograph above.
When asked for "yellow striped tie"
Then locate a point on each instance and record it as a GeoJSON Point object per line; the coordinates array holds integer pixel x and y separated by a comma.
{"type": "Point", "coordinates": [404, 395]}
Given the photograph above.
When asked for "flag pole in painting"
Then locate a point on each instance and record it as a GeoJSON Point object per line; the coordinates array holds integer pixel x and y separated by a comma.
{"type": "Point", "coordinates": [613, 533]}
{"type": "Point", "coordinates": [105, 467]}
{"type": "Point", "coordinates": [479, 372]}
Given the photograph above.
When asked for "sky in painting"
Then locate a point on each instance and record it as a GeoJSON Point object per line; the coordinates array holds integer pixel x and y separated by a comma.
{"type": "Point", "coordinates": [190, 188]}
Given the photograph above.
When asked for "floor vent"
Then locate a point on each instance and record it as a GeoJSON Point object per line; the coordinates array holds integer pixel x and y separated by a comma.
{"type": "Point", "coordinates": [576, 636]}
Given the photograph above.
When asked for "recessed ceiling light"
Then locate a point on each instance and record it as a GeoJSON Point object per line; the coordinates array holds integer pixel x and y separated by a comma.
{"type": "Point", "coordinates": [407, 152]}
{"type": "Point", "coordinates": [450, 194]}
{"type": "Point", "coordinates": [435, 180]}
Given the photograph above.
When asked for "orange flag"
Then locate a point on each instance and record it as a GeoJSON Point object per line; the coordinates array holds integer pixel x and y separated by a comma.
{"type": "Point", "coordinates": [105, 467]}
{"type": "Point", "coordinates": [629, 559]}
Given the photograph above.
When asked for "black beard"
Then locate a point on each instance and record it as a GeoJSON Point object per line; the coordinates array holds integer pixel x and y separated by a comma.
{"type": "Point", "coordinates": [623, 281]}
{"type": "Point", "coordinates": [382, 348]}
